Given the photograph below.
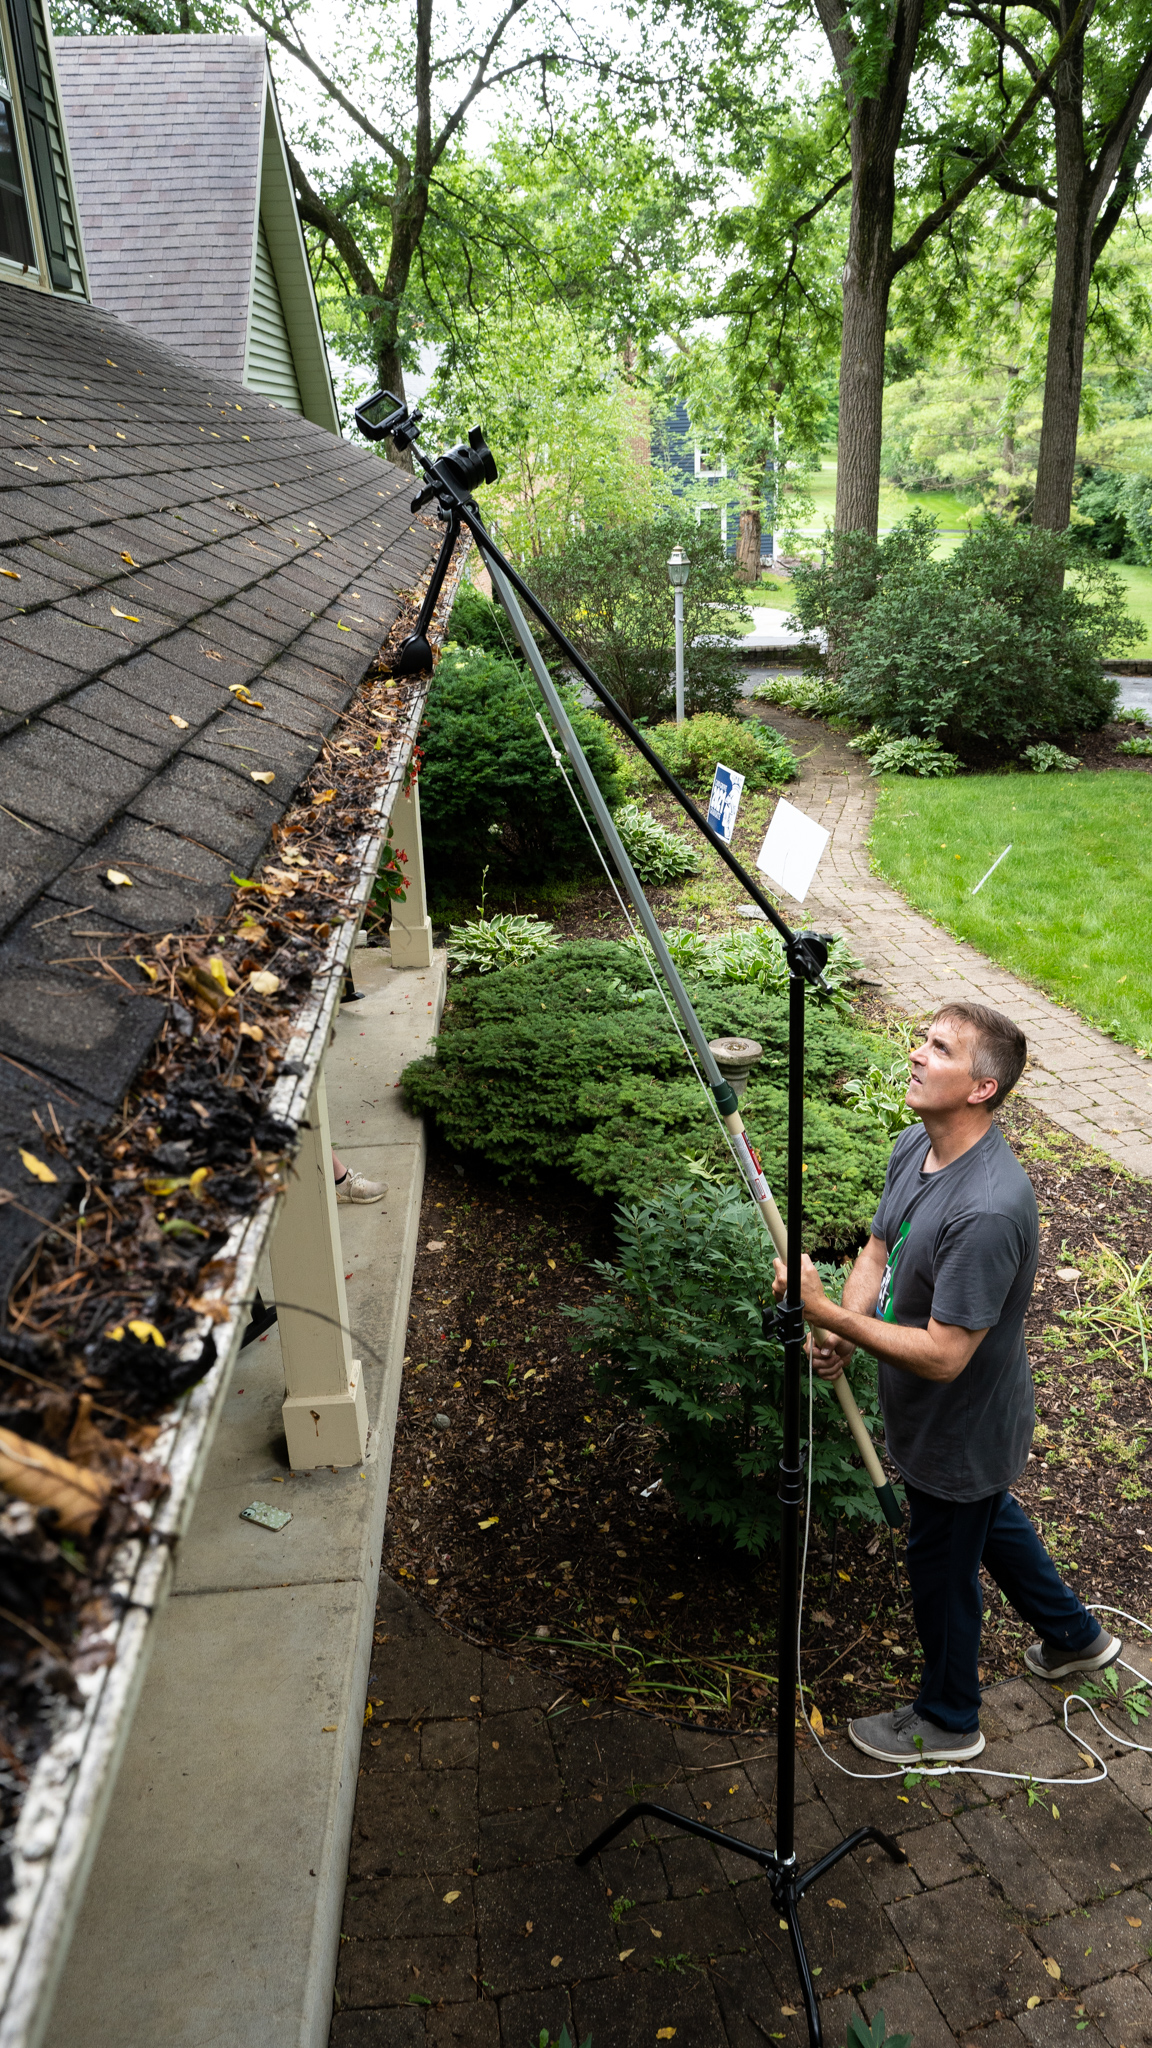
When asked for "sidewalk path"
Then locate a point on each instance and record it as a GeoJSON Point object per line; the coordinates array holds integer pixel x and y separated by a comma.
{"type": "Point", "coordinates": [467, 1924]}
{"type": "Point", "coordinates": [1085, 1082]}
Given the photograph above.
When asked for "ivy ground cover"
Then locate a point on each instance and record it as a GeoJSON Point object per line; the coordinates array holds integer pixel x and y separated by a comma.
{"type": "Point", "coordinates": [1067, 908]}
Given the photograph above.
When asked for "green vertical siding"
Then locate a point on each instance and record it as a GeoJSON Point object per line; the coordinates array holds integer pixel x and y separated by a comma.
{"type": "Point", "coordinates": [56, 140]}
{"type": "Point", "coordinates": [270, 365]}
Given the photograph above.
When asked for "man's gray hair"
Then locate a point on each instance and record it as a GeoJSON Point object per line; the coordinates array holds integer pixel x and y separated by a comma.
{"type": "Point", "coordinates": [1001, 1048]}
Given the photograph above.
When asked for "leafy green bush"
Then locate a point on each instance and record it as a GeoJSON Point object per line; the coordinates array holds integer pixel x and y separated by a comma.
{"type": "Point", "coordinates": [568, 1065]}
{"type": "Point", "coordinates": [1043, 758]}
{"type": "Point", "coordinates": [486, 943]}
{"type": "Point", "coordinates": [658, 854]}
{"type": "Point", "coordinates": [693, 749]}
{"type": "Point", "coordinates": [608, 588]}
{"type": "Point", "coordinates": [1139, 746]}
{"type": "Point", "coordinates": [490, 793]}
{"type": "Point", "coordinates": [1134, 714]}
{"type": "Point", "coordinates": [991, 644]}
{"type": "Point", "coordinates": [476, 621]}
{"type": "Point", "coordinates": [754, 956]}
{"type": "Point", "coordinates": [680, 1333]}
{"type": "Point", "coordinates": [880, 1095]}
{"type": "Point", "coordinates": [812, 696]}
{"type": "Point", "coordinates": [1113, 515]}
{"type": "Point", "coordinates": [890, 755]}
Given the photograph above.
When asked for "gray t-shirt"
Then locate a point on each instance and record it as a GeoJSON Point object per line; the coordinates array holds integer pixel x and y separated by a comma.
{"type": "Point", "coordinates": [962, 1247]}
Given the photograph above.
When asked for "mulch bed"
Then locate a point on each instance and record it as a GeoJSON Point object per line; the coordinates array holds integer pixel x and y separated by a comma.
{"type": "Point", "coordinates": [530, 1521]}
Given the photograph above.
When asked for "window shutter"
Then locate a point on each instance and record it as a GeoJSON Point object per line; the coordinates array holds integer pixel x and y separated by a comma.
{"type": "Point", "coordinates": [40, 141]}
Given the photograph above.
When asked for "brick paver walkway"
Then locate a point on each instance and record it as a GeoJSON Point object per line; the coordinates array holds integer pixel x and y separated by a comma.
{"type": "Point", "coordinates": [467, 1923]}
{"type": "Point", "coordinates": [1085, 1082]}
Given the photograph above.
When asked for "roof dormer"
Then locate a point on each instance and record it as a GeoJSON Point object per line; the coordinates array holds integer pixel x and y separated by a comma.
{"type": "Point", "coordinates": [39, 230]}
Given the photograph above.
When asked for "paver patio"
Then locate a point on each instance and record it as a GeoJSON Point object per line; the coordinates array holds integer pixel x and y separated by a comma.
{"type": "Point", "coordinates": [467, 1922]}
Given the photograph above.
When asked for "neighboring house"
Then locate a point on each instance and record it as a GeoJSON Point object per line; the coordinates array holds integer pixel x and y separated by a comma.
{"type": "Point", "coordinates": [187, 209]}
{"type": "Point", "coordinates": [699, 473]}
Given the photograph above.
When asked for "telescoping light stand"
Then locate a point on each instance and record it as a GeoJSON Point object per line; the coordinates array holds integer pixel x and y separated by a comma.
{"type": "Point", "coordinates": [451, 481]}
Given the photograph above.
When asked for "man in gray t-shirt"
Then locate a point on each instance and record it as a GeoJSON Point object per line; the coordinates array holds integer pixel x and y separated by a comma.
{"type": "Point", "coordinates": [939, 1295]}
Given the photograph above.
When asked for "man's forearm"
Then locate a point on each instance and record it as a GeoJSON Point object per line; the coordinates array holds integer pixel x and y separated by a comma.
{"type": "Point", "coordinates": [916, 1351]}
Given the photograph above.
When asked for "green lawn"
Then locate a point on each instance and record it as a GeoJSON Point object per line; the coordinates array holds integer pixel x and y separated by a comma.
{"type": "Point", "coordinates": [1069, 906]}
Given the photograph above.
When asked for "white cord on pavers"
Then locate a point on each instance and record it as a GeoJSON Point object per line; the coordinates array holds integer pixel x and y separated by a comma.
{"type": "Point", "coordinates": [926, 1770]}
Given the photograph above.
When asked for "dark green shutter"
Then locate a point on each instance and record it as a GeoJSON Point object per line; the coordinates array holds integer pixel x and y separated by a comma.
{"type": "Point", "coordinates": [40, 141]}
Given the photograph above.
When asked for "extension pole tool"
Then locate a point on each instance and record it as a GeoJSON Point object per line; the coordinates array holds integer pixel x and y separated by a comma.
{"type": "Point", "coordinates": [451, 481]}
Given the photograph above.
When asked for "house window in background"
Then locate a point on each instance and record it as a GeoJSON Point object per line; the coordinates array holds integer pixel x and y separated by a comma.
{"type": "Point", "coordinates": [15, 230]}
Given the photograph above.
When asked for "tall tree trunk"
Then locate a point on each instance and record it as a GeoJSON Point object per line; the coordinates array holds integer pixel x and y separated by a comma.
{"type": "Point", "coordinates": [1076, 208]}
{"type": "Point", "coordinates": [748, 545]}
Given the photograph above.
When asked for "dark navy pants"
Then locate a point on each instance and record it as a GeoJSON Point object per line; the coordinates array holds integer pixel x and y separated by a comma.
{"type": "Point", "coordinates": [948, 1541]}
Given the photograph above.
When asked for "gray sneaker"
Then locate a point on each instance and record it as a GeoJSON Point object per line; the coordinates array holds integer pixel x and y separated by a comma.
{"type": "Point", "coordinates": [906, 1737]}
{"type": "Point", "coordinates": [355, 1187]}
{"type": "Point", "coordinates": [1047, 1660]}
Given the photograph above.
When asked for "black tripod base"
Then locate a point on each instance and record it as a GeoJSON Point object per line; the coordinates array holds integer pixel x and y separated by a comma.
{"type": "Point", "coordinates": [788, 1883]}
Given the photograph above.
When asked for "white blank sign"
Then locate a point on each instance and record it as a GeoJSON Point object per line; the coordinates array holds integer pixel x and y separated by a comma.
{"type": "Point", "coordinates": [791, 851]}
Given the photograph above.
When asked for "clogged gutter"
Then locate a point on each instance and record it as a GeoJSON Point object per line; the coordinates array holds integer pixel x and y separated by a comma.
{"type": "Point", "coordinates": [134, 1294]}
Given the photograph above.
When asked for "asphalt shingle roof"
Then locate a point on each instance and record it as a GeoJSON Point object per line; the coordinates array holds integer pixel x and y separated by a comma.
{"type": "Point", "coordinates": [162, 537]}
{"type": "Point", "coordinates": [164, 134]}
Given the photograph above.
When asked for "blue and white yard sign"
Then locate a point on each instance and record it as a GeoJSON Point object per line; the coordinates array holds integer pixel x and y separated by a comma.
{"type": "Point", "coordinates": [724, 802]}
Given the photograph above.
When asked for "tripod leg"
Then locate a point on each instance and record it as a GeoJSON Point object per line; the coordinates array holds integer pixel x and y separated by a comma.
{"type": "Point", "coordinates": [845, 1848]}
{"type": "Point", "coordinates": [682, 1821]}
{"type": "Point", "coordinates": [789, 1908]}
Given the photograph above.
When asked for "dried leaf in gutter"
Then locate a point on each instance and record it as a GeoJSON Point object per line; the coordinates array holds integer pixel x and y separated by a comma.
{"type": "Point", "coordinates": [325, 796]}
{"type": "Point", "coordinates": [37, 1168]}
{"type": "Point", "coordinates": [39, 1477]}
{"type": "Point", "coordinates": [262, 983]}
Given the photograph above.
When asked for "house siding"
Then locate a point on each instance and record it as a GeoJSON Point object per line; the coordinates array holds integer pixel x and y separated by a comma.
{"type": "Point", "coordinates": [271, 369]}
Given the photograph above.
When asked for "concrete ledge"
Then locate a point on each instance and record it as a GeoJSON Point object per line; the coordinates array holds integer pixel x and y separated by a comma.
{"type": "Point", "coordinates": [212, 1916]}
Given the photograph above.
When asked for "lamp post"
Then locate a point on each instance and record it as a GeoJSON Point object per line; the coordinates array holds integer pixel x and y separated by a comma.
{"type": "Point", "coordinates": [678, 577]}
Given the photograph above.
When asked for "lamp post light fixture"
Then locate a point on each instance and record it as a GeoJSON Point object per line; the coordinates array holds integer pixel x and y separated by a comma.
{"type": "Point", "coordinates": [678, 577]}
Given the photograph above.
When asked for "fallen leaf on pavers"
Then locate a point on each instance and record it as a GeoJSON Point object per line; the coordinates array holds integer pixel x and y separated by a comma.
{"type": "Point", "coordinates": [37, 1168]}
{"type": "Point", "coordinates": [1052, 1967]}
{"type": "Point", "coordinates": [130, 616]}
{"type": "Point", "coordinates": [624, 1954]}
{"type": "Point", "coordinates": [450, 1898]}
{"type": "Point", "coordinates": [262, 775]}
{"type": "Point", "coordinates": [489, 1524]}
{"type": "Point", "coordinates": [329, 1728]}
{"type": "Point", "coordinates": [816, 1721]}
{"type": "Point", "coordinates": [262, 983]}
{"type": "Point", "coordinates": [1033, 2002]}
{"type": "Point", "coordinates": [175, 719]}
{"type": "Point", "coordinates": [1115, 1867]}
{"type": "Point", "coordinates": [789, 2012]}
{"type": "Point", "coordinates": [839, 1905]}
{"type": "Point", "coordinates": [117, 879]}
{"type": "Point", "coordinates": [1132, 1922]}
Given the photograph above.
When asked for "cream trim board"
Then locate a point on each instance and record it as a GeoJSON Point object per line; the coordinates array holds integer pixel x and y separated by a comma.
{"type": "Point", "coordinates": [276, 205]}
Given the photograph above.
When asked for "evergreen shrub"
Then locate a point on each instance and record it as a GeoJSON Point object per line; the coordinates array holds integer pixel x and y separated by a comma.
{"type": "Point", "coordinates": [991, 645]}
{"type": "Point", "coordinates": [693, 749]}
{"type": "Point", "coordinates": [490, 792]}
{"type": "Point", "coordinates": [679, 1332]}
{"type": "Point", "coordinates": [478, 622]}
{"type": "Point", "coordinates": [571, 1064]}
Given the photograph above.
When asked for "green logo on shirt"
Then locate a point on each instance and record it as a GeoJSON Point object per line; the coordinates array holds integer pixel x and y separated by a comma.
{"type": "Point", "coordinates": [885, 1304]}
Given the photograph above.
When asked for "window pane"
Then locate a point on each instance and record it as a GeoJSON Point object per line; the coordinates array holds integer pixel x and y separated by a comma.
{"type": "Point", "coordinates": [15, 235]}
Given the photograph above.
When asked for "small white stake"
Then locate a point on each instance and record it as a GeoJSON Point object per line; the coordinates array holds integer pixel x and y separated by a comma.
{"type": "Point", "coordinates": [992, 869]}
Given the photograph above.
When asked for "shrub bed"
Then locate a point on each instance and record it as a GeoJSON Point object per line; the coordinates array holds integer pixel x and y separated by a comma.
{"type": "Point", "coordinates": [572, 1064]}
